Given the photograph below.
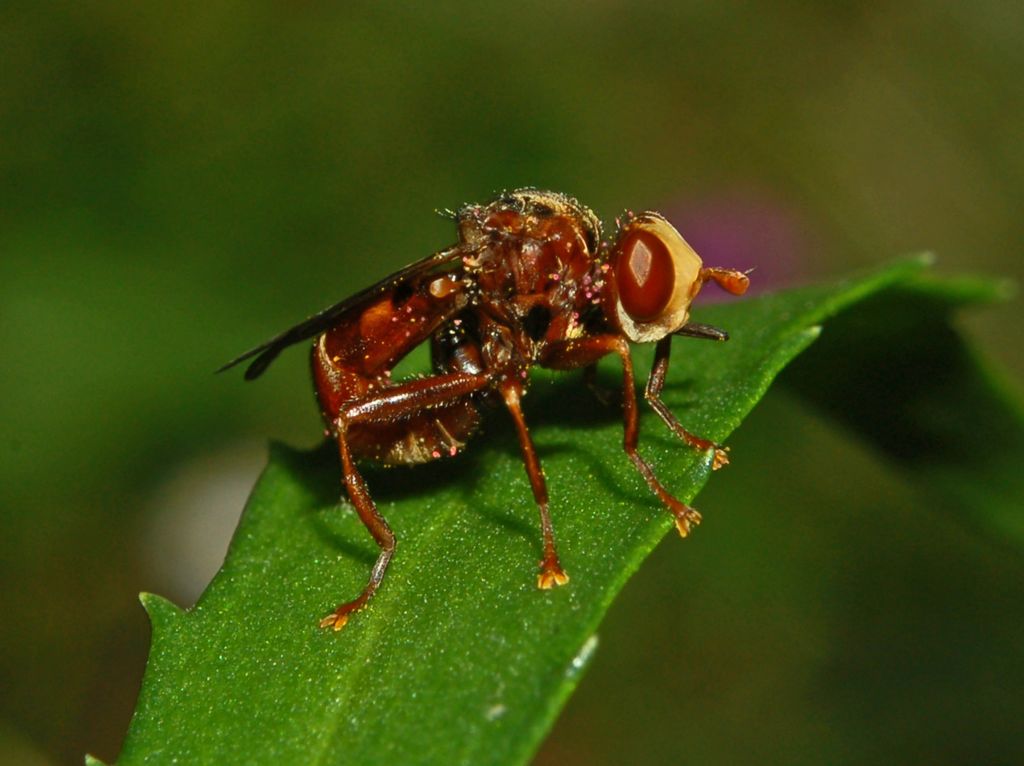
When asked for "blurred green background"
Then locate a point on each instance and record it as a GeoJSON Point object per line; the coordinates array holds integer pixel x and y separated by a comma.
{"type": "Point", "coordinates": [178, 181]}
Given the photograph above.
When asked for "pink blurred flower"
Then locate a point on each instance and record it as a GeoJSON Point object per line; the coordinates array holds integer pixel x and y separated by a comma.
{"type": "Point", "coordinates": [745, 230]}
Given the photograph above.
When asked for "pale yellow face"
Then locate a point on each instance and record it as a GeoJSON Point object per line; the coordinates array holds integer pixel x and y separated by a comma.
{"type": "Point", "coordinates": [658, 275]}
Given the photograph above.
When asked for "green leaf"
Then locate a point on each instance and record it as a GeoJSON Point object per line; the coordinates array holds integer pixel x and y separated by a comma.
{"type": "Point", "coordinates": [459, 659]}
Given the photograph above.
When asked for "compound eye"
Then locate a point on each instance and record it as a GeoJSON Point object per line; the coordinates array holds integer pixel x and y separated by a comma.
{"type": "Point", "coordinates": [656, 276]}
{"type": "Point", "coordinates": [646, 275]}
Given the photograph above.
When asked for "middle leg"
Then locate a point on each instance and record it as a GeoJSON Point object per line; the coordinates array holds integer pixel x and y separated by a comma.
{"type": "Point", "coordinates": [551, 572]}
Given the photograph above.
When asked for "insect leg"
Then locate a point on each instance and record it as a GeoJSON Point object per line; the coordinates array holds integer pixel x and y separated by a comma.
{"type": "Point", "coordinates": [390, 404]}
{"type": "Point", "coordinates": [551, 572]}
{"type": "Point", "coordinates": [576, 353]}
{"type": "Point", "coordinates": [655, 383]}
{"type": "Point", "coordinates": [394, 402]}
{"type": "Point", "coordinates": [382, 534]}
{"type": "Point", "coordinates": [685, 516]}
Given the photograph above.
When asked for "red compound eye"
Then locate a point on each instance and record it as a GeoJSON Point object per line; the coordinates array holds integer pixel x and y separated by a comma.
{"type": "Point", "coordinates": [645, 274]}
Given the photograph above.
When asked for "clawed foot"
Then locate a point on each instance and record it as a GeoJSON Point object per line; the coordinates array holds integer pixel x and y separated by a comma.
{"type": "Point", "coordinates": [551, 575]}
{"type": "Point", "coordinates": [335, 620]}
{"type": "Point", "coordinates": [339, 617]}
{"type": "Point", "coordinates": [686, 519]}
{"type": "Point", "coordinates": [719, 453]}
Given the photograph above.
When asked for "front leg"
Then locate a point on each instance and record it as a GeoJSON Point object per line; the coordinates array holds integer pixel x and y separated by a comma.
{"type": "Point", "coordinates": [655, 383]}
{"type": "Point", "coordinates": [571, 354]}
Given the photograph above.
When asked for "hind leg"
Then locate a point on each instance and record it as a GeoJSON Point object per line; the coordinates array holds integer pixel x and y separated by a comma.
{"type": "Point", "coordinates": [378, 526]}
{"type": "Point", "coordinates": [386, 407]}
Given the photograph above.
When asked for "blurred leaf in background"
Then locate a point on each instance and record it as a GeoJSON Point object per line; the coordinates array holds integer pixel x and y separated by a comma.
{"type": "Point", "coordinates": [178, 181]}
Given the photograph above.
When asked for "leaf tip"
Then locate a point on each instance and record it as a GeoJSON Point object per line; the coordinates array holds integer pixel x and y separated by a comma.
{"type": "Point", "coordinates": [160, 610]}
{"type": "Point", "coordinates": [91, 760]}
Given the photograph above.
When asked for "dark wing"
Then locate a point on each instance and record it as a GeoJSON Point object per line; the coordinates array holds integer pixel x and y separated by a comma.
{"type": "Point", "coordinates": [445, 261]}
